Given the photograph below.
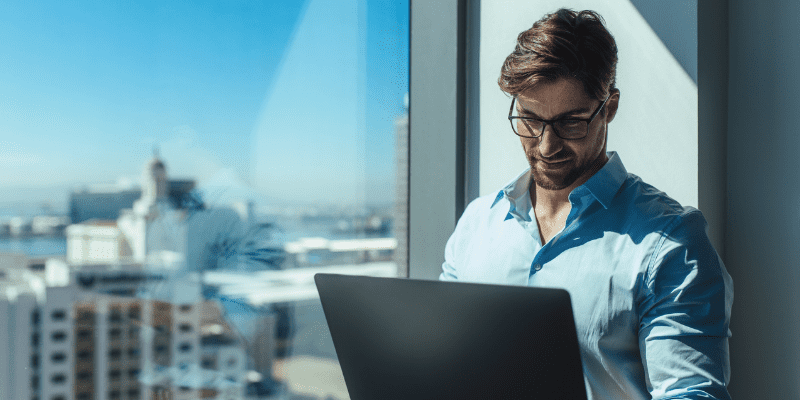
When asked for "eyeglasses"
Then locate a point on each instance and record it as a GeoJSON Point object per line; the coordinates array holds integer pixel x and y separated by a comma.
{"type": "Point", "coordinates": [565, 128]}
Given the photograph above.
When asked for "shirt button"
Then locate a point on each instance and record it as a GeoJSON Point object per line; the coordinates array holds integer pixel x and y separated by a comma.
{"type": "Point", "coordinates": [537, 267]}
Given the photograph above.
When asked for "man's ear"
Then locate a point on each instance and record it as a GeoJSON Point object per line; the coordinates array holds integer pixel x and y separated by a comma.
{"type": "Point", "coordinates": [611, 105]}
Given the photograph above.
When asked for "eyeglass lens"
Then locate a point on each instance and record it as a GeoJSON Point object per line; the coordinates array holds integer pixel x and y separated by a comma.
{"type": "Point", "coordinates": [565, 128]}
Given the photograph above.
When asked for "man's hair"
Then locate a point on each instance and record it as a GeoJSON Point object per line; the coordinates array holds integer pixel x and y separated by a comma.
{"type": "Point", "coordinates": [564, 44]}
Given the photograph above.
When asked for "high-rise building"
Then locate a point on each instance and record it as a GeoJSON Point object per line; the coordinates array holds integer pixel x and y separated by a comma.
{"type": "Point", "coordinates": [401, 194]}
{"type": "Point", "coordinates": [20, 331]}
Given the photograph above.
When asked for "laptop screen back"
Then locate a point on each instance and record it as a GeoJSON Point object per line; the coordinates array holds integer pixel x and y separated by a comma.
{"type": "Point", "coordinates": [414, 339]}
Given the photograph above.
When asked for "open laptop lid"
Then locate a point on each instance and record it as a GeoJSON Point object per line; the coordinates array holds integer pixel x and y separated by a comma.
{"type": "Point", "coordinates": [415, 339]}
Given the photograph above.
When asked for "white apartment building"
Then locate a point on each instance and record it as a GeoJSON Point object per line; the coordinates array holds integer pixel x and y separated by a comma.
{"type": "Point", "coordinates": [20, 333]}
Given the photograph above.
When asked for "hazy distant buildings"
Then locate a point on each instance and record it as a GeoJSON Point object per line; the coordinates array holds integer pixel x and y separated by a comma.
{"type": "Point", "coordinates": [103, 203]}
{"type": "Point", "coordinates": [164, 227]}
{"type": "Point", "coordinates": [107, 202]}
{"type": "Point", "coordinates": [97, 242]}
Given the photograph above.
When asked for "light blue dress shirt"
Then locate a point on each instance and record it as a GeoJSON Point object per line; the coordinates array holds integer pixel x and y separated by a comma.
{"type": "Point", "coordinates": [651, 298]}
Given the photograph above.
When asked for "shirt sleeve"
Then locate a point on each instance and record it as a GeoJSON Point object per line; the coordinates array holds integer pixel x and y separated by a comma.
{"type": "Point", "coordinates": [448, 266]}
{"type": "Point", "coordinates": [685, 314]}
{"type": "Point", "coordinates": [455, 247]}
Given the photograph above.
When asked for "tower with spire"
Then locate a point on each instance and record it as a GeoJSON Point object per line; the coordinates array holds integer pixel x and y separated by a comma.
{"type": "Point", "coordinates": [154, 186]}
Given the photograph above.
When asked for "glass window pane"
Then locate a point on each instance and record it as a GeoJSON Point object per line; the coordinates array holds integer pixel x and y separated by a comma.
{"type": "Point", "coordinates": [175, 173]}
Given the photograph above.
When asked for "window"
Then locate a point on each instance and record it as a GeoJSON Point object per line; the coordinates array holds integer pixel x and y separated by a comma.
{"type": "Point", "coordinates": [85, 316]}
{"type": "Point", "coordinates": [115, 315]}
{"type": "Point", "coordinates": [114, 374]}
{"type": "Point", "coordinates": [58, 379]}
{"type": "Point", "coordinates": [58, 357]}
{"type": "Point", "coordinates": [58, 315]}
{"type": "Point", "coordinates": [58, 336]}
{"type": "Point", "coordinates": [251, 140]}
{"type": "Point", "coordinates": [114, 354]}
{"type": "Point", "coordinates": [83, 375]}
{"type": "Point", "coordinates": [84, 334]}
{"type": "Point", "coordinates": [35, 318]}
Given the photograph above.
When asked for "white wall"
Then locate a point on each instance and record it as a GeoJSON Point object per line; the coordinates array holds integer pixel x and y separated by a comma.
{"type": "Point", "coordinates": [655, 130]}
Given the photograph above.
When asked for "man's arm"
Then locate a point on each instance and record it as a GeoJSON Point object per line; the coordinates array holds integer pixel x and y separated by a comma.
{"type": "Point", "coordinates": [459, 240]}
{"type": "Point", "coordinates": [449, 264]}
{"type": "Point", "coordinates": [684, 316]}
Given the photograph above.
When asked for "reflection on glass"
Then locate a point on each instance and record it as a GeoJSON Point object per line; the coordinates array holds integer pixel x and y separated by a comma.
{"type": "Point", "coordinates": [176, 175]}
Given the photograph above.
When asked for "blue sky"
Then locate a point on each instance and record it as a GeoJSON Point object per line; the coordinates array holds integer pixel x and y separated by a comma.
{"type": "Point", "coordinates": [88, 88]}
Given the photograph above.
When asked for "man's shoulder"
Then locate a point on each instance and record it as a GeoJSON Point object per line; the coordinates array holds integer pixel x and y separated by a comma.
{"type": "Point", "coordinates": [483, 204]}
{"type": "Point", "coordinates": [481, 208]}
{"type": "Point", "coordinates": [643, 203]}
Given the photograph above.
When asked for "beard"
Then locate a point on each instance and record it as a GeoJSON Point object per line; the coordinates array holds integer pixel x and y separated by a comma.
{"type": "Point", "coordinates": [560, 178]}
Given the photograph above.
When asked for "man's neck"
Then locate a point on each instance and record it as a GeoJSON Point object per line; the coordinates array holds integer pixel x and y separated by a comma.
{"type": "Point", "coordinates": [549, 203]}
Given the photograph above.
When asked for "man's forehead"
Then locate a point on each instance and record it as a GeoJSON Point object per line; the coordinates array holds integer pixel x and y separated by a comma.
{"type": "Point", "coordinates": [554, 97]}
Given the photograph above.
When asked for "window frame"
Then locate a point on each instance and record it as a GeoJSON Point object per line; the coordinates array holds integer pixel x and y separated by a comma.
{"type": "Point", "coordinates": [443, 126]}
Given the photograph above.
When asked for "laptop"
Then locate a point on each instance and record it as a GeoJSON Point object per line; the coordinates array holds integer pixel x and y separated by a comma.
{"type": "Point", "coordinates": [407, 339]}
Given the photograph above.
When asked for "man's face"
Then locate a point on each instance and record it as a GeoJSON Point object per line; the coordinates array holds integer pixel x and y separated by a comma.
{"type": "Point", "coordinates": [558, 163]}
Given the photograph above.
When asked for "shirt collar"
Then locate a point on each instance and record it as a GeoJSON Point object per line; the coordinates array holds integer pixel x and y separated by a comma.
{"type": "Point", "coordinates": [516, 187]}
{"type": "Point", "coordinates": [603, 185]}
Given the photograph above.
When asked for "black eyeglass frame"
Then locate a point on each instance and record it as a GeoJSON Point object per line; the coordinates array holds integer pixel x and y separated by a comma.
{"type": "Point", "coordinates": [552, 122]}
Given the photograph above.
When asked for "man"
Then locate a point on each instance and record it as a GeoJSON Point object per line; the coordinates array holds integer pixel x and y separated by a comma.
{"type": "Point", "coordinates": [650, 295]}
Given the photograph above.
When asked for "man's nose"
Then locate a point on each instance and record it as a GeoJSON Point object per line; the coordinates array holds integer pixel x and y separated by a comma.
{"type": "Point", "coordinates": [549, 143]}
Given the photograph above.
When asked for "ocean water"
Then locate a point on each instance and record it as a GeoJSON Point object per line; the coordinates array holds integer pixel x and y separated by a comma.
{"type": "Point", "coordinates": [35, 246]}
